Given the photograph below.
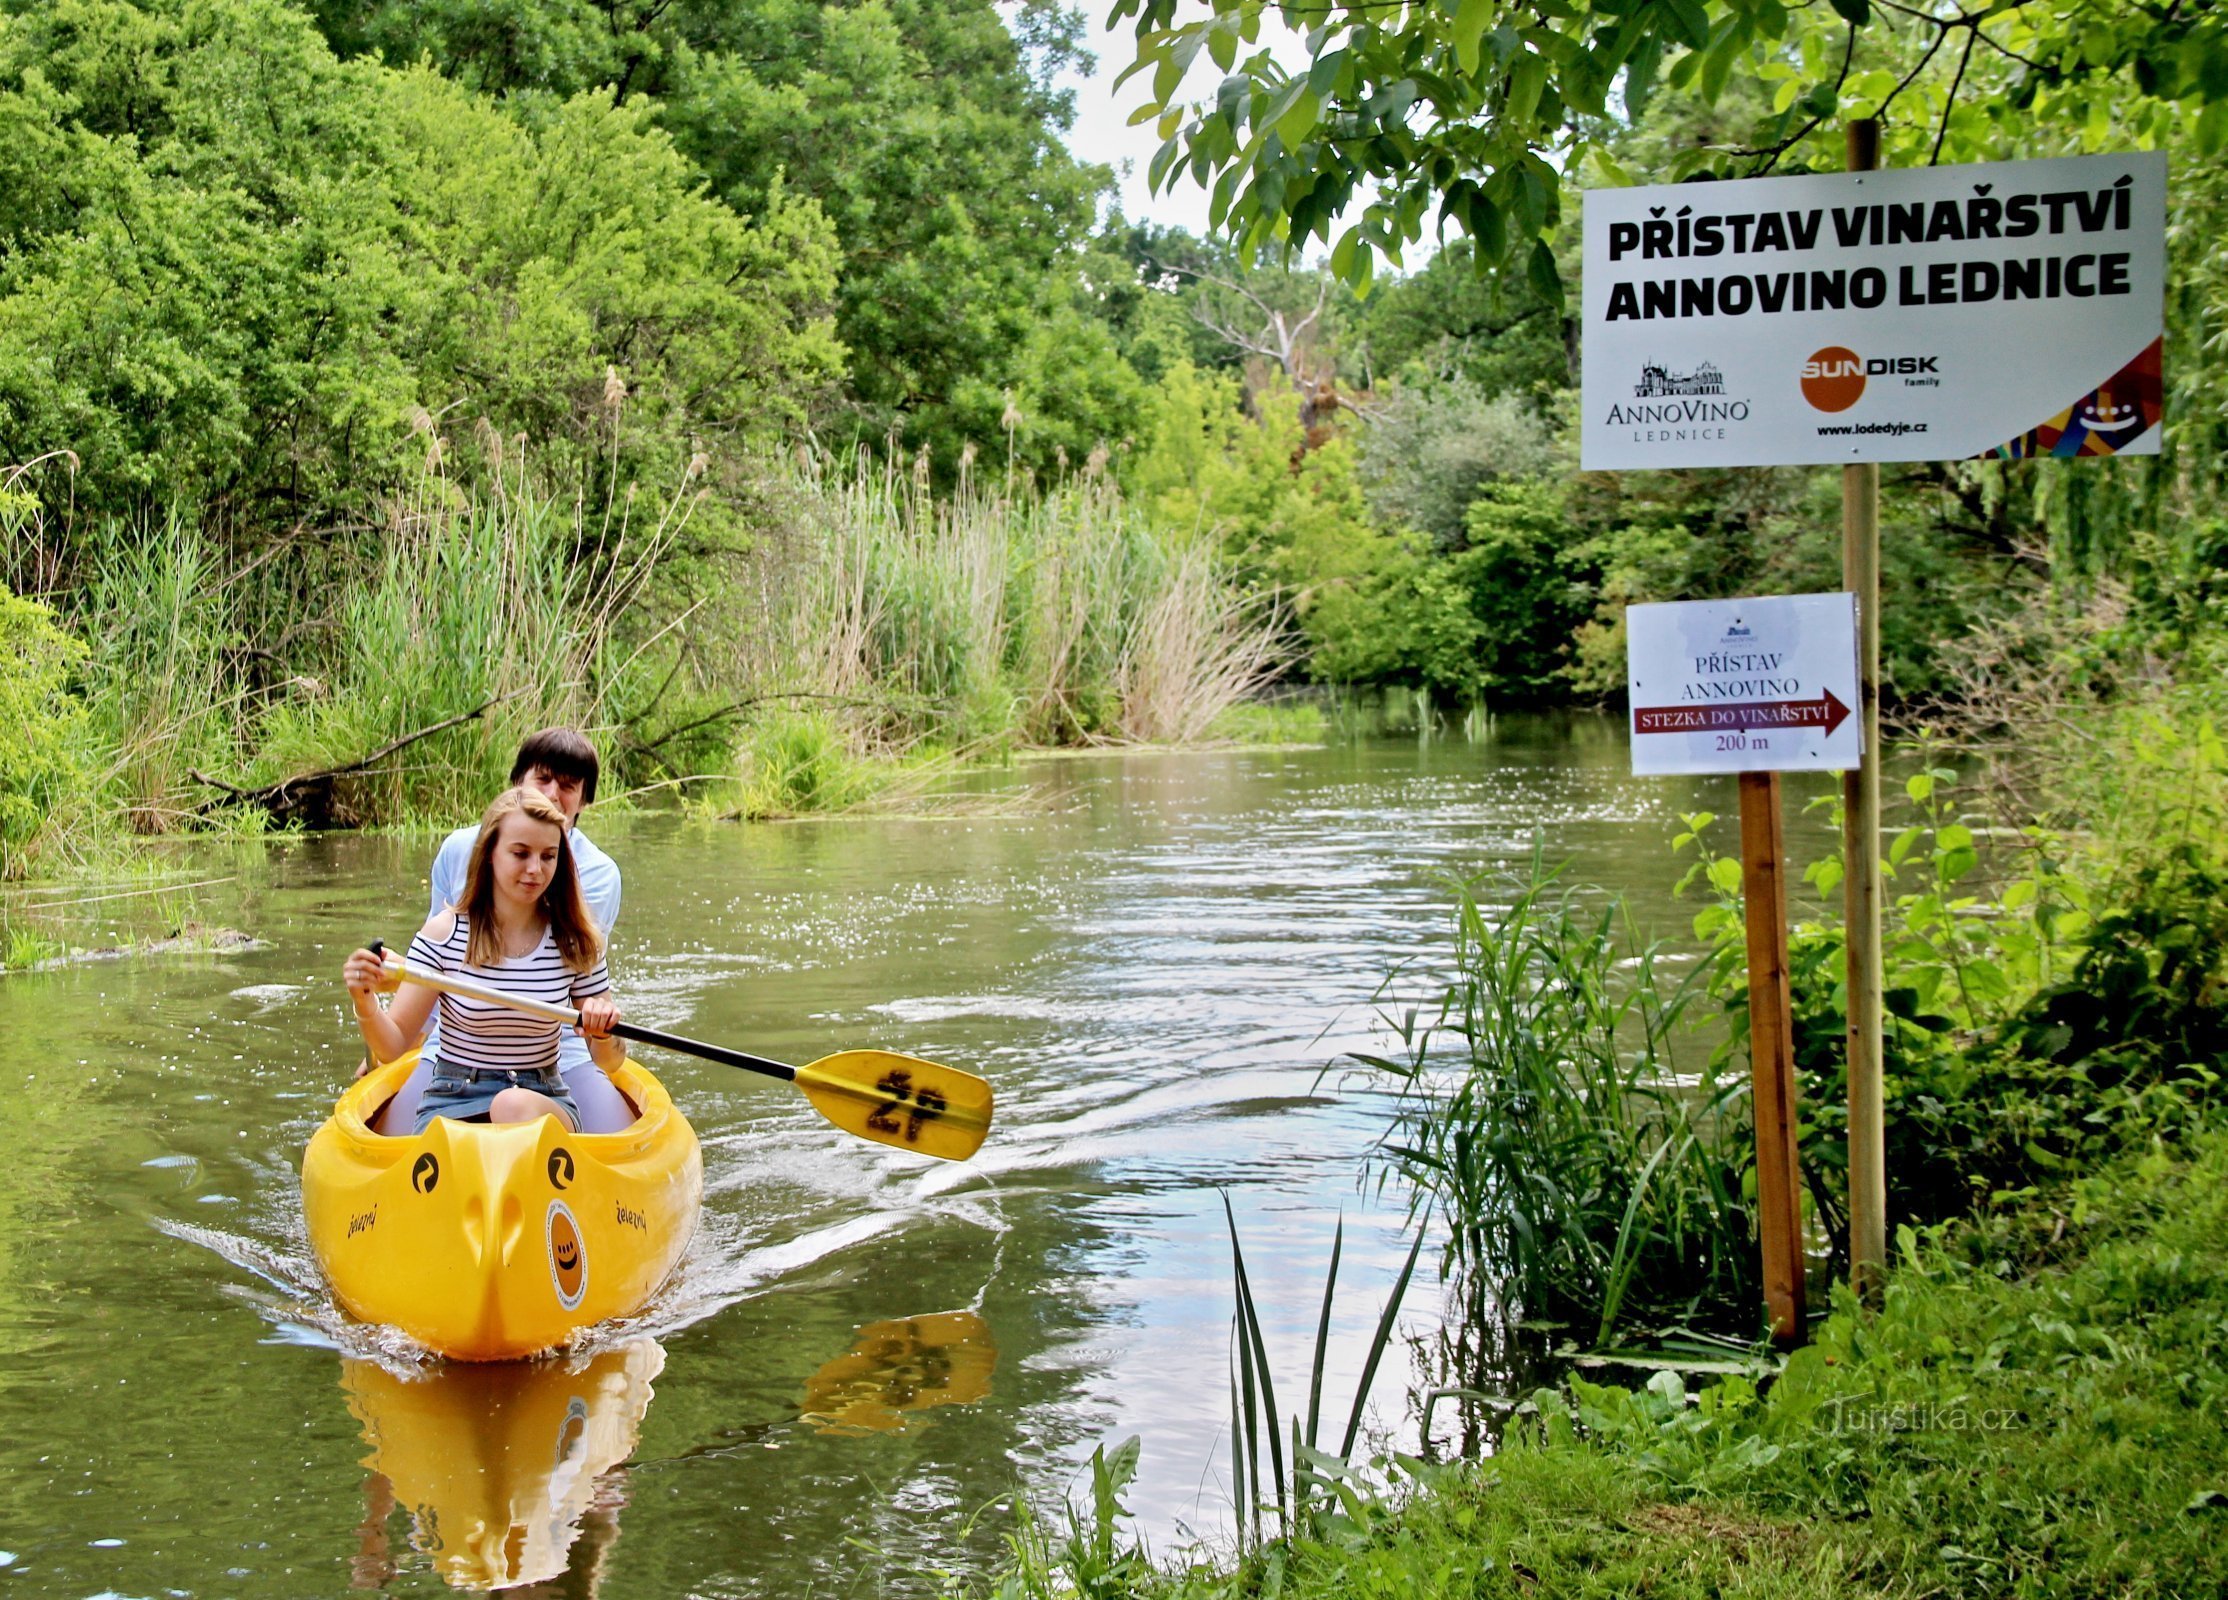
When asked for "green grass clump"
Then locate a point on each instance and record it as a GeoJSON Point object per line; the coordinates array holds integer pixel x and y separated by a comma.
{"type": "Point", "coordinates": [1271, 722]}
{"type": "Point", "coordinates": [1586, 1173]}
{"type": "Point", "coordinates": [796, 763]}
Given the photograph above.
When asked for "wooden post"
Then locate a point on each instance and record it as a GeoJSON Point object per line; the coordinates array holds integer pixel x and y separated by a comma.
{"type": "Point", "coordinates": [1771, 1055]}
{"type": "Point", "coordinates": [1860, 570]}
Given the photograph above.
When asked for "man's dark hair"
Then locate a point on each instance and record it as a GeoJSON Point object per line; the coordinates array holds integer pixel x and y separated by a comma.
{"type": "Point", "coordinates": [564, 751]}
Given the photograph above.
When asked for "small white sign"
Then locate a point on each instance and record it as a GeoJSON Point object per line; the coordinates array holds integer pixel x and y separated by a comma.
{"type": "Point", "coordinates": [1765, 684]}
{"type": "Point", "coordinates": [1914, 314]}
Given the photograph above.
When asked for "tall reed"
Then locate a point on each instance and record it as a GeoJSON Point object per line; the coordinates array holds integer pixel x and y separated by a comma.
{"type": "Point", "coordinates": [1584, 1176]}
{"type": "Point", "coordinates": [164, 623]}
{"type": "Point", "coordinates": [1055, 618]}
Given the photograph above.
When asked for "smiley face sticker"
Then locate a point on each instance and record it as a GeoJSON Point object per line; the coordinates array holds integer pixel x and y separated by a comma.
{"type": "Point", "coordinates": [568, 1255]}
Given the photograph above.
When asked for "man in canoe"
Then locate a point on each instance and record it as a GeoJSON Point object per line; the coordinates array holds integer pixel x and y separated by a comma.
{"type": "Point", "coordinates": [561, 765]}
{"type": "Point", "coordinates": [521, 926]}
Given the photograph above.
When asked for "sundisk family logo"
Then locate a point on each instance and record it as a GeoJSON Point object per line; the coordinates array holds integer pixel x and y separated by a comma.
{"type": "Point", "coordinates": [1834, 378]}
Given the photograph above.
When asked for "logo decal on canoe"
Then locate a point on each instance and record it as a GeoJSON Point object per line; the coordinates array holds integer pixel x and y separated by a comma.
{"type": "Point", "coordinates": [560, 1168]}
{"type": "Point", "coordinates": [425, 1172]}
{"type": "Point", "coordinates": [568, 1256]}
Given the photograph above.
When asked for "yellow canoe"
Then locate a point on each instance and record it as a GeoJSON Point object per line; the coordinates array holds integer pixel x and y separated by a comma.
{"type": "Point", "coordinates": [490, 1243]}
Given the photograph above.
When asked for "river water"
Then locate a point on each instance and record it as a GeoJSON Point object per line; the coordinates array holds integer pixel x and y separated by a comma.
{"type": "Point", "coordinates": [1158, 959]}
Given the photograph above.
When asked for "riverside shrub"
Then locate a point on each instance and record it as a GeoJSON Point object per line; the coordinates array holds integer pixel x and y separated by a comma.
{"type": "Point", "coordinates": [41, 720]}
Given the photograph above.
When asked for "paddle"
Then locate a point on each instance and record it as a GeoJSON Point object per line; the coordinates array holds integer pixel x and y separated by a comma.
{"type": "Point", "coordinates": [876, 1094]}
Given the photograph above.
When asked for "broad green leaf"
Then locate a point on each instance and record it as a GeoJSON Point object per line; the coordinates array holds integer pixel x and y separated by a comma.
{"type": "Point", "coordinates": [1686, 21]}
{"type": "Point", "coordinates": [1342, 254]}
{"type": "Point", "coordinates": [1165, 157]}
{"type": "Point", "coordinates": [1489, 228]}
{"type": "Point", "coordinates": [1717, 65]}
{"type": "Point", "coordinates": [1298, 120]}
{"type": "Point", "coordinates": [1470, 18]}
{"type": "Point", "coordinates": [1546, 276]}
{"type": "Point", "coordinates": [1527, 76]}
{"type": "Point", "coordinates": [1167, 77]}
{"type": "Point", "coordinates": [1323, 75]}
{"type": "Point", "coordinates": [1365, 272]}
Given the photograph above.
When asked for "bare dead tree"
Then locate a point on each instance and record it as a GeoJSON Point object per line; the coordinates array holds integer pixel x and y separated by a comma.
{"type": "Point", "coordinates": [1245, 320]}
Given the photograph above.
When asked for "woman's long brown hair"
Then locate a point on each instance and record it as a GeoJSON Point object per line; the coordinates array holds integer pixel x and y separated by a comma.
{"type": "Point", "coordinates": [579, 940]}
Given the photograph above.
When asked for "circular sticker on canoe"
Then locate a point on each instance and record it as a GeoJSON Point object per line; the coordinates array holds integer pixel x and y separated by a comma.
{"type": "Point", "coordinates": [568, 1256]}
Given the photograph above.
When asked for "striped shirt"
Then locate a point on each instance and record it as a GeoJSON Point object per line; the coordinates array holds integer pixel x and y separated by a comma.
{"type": "Point", "coordinates": [481, 1036]}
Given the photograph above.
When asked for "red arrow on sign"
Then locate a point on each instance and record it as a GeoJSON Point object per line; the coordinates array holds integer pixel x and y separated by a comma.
{"type": "Point", "coordinates": [1825, 712]}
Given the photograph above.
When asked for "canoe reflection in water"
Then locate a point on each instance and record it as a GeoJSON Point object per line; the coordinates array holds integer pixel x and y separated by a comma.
{"type": "Point", "coordinates": [506, 1469]}
{"type": "Point", "coordinates": [897, 1369]}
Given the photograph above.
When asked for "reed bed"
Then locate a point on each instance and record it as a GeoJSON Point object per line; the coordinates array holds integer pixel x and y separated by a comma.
{"type": "Point", "coordinates": [1586, 1179]}
{"type": "Point", "coordinates": [984, 617]}
{"type": "Point", "coordinates": [836, 627]}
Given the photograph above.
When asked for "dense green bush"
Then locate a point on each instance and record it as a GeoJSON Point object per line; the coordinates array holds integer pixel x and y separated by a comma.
{"type": "Point", "coordinates": [2048, 1002]}
{"type": "Point", "coordinates": [42, 723]}
{"type": "Point", "coordinates": [247, 278]}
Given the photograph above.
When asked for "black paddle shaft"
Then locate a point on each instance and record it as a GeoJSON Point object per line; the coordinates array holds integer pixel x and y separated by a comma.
{"type": "Point", "coordinates": [710, 1052]}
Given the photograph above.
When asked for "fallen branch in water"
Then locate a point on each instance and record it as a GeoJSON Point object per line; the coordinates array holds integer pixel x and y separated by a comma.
{"type": "Point", "coordinates": [308, 796]}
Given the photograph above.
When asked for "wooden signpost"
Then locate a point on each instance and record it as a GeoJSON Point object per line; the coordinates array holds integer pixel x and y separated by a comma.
{"type": "Point", "coordinates": [1755, 687]}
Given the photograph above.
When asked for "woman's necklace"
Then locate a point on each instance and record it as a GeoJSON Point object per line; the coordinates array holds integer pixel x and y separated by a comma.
{"type": "Point", "coordinates": [519, 942]}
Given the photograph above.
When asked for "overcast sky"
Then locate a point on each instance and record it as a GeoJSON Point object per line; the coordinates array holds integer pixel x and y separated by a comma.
{"type": "Point", "coordinates": [1098, 134]}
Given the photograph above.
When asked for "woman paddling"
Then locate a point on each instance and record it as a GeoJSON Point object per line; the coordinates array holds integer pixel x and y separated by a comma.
{"type": "Point", "coordinates": [521, 926]}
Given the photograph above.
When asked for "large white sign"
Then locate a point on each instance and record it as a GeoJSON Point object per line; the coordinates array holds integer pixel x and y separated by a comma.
{"type": "Point", "coordinates": [1909, 314]}
{"type": "Point", "coordinates": [1756, 685]}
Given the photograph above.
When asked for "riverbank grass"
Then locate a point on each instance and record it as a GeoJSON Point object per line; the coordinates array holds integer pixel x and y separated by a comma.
{"type": "Point", "coordinates": [2035, 1410]}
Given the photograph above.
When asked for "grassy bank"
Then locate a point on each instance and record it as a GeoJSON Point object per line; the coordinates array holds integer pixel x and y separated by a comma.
{"type": "Point", "coordinates": [2036, 1410]}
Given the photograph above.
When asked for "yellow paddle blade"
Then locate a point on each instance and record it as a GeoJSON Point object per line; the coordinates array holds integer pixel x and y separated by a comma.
{"type": "Point", "coordinates": [900, 1100]}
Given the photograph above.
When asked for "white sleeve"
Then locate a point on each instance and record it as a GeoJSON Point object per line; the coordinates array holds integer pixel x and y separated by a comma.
{"type": "Point", "coordinates": [449, 864]}
{"type": "Point", "coordinates": [599, 886]}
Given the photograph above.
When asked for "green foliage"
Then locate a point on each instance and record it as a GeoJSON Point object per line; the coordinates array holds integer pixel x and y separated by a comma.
{"type": "Point", "coordinates": [508, 603]}
{"type": "Point", "coordinates": [42, 723]}
{"type": "Point", "coordinates": [259, 264]}
{"type": "Point", "coordinates": [1586, 1175]}
{"type": "Point", "coordinates": [1439, 115]}
{"type": "Point", "coordinates": [2050, 999]}
{"type": "Point", "coordinates": [795, 763]}
{"type": "Point", "coordinates": [1436, 447]}
{"type": "Point", "coordinates": [924, 131]}
{"type": "Point", "coordinates": [2022, 1417]}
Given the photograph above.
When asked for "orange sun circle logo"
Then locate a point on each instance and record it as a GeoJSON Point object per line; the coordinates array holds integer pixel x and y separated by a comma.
{"type": "Point", "coordinates": [1833, 379]}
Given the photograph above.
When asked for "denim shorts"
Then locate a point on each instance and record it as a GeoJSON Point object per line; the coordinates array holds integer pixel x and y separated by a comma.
{"type": "Point", "coordinates": [465, 1097]}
